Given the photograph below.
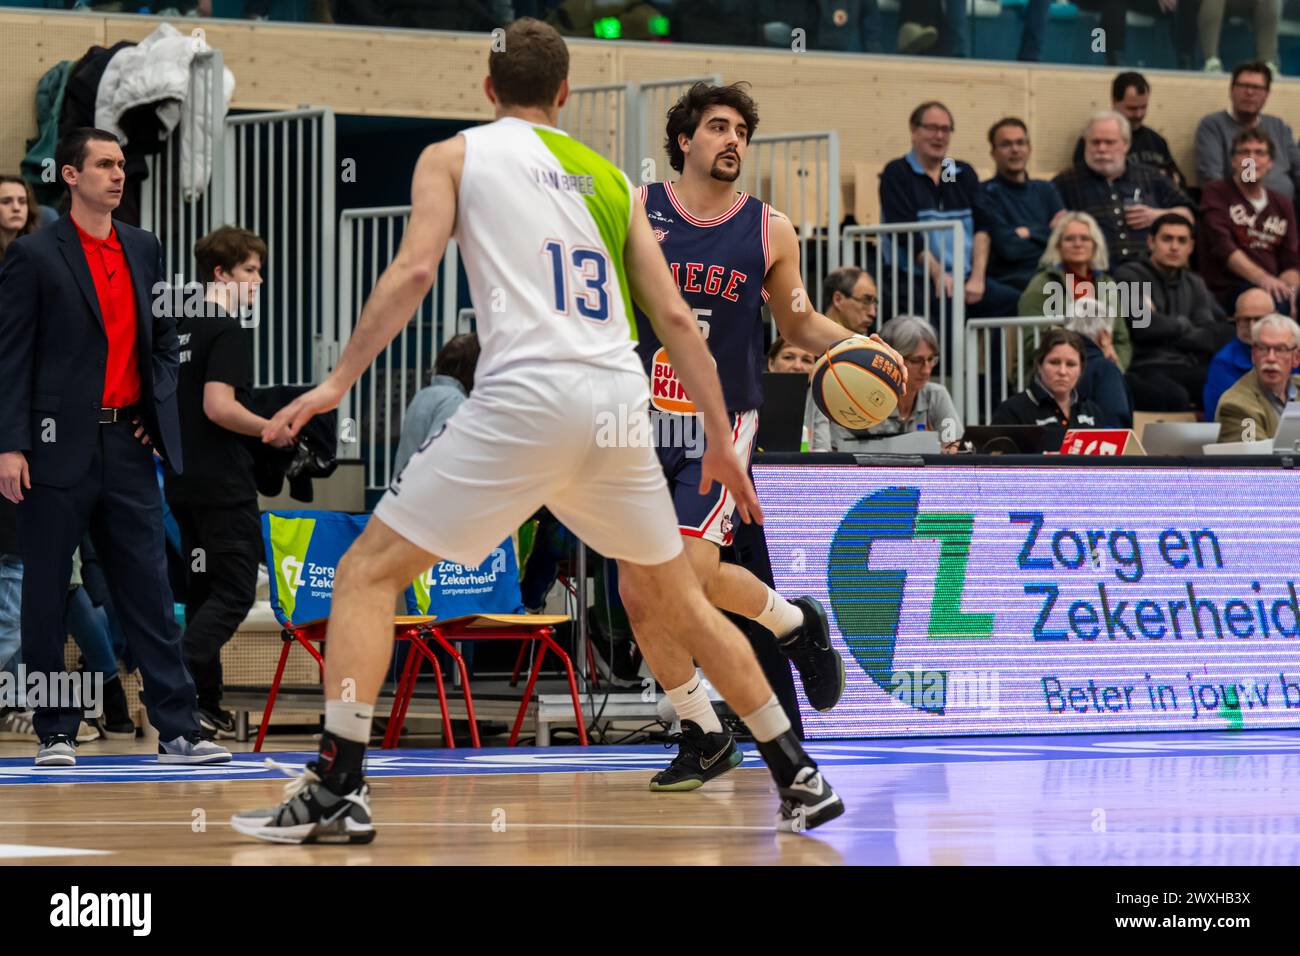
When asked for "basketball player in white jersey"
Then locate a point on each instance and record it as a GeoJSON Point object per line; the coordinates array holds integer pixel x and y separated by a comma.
{"type": "Point", "coordinates": [555, 249]}
{"type": "Point", "coordinates": [730, 254]}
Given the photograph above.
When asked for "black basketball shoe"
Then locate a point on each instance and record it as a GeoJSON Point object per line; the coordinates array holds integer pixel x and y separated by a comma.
{"type": "Point", "coordinates": [809, 647]}
{"type": "Point", "coordinates": [312, 813]}
{"type": "Point", "coordinates": [700, 758]}
{"type": "Point", "coordinates": [808, 802]}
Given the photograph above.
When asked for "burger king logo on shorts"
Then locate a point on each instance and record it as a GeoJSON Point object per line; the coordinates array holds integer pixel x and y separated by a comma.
{"type": "Point", "coordinates": [666, 393]}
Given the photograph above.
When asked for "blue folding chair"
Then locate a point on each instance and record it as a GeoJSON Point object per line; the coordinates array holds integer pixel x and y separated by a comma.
{"type": "Point", "coordinates": [303, 549]}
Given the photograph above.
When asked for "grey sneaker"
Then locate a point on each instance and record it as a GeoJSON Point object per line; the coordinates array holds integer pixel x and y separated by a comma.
{"type": "Point", "coordinates": [16, 725]}
{"type": "Point", "coordinates": [57, 750]}
{"type": "Point", "coordinates": [191, 750]}
{"type": "Point", "coordinates": [311, 813]}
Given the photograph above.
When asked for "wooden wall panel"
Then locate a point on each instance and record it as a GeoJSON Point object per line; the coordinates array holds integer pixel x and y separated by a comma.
{"type": "Point", "coordinates": [403, 73]}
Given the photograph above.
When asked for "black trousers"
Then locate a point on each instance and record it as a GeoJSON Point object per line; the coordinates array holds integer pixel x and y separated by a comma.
{"type": "Point", "coordinates": [221, 547]}
{"type": "Point", "coordinates": [119, 504]}
{"type": "Point", "coordinates": [1167, 388]}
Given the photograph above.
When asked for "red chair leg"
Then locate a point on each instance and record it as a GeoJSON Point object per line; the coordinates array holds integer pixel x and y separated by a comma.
{"type": "Point", "coordinates": [270, 699]}
{"type": "Point", "coordinates": [401, 698]}
{"type": "Point", "coordinates": [573, 685]}
{"type": "Point", "coordinates": [464, 683]}
{"type": "Point", "coordinates": [519, 663]}
{"type": "Point", "coordinates": [528, 693]}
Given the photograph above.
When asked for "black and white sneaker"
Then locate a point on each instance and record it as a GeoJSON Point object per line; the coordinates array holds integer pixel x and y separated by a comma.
{"type": "Point", "coordinates": [700, 758]}
{"type": "Point", "coordinates": [192, 750]}
{"type": "Point", "coordinates": [821, 669]}
{"type": "Point", "coordinates": [217, 724]}
{"type": "Point", "coordinates": [807, 803]}
{"type": "Point", "coordinates": [57, 750]}
{"type": "Point", "coordinates": [311, 813]}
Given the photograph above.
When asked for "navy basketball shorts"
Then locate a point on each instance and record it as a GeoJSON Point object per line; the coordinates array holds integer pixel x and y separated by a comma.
{"type": "Point", "coordinates": [710, 516]}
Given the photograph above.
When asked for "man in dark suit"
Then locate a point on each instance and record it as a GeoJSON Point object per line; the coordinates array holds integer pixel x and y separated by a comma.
{"type": "Point", "coordinates": [88, 358]}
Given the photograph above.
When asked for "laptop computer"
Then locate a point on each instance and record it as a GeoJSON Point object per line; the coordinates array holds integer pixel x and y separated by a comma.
{"type": "Point", "coordinates": [780, 418]}
{"type": "Point", "coordinates": [1003, 439]}
{"type": "Point", "coordinates": [1179, 438]}
{"type": "Point", "coordinates": [1287, 439]}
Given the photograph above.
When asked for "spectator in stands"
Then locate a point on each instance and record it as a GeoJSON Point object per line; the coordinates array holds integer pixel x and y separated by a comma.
{"type": "Point", "coordinates": [1052, 400]}
{"type": "Point", "coordinates": [849, 297]}
{"type": "Point", "coordinates": [1020, 211]}
{"type": "Point", "coordinates": [1114, 24]}
{"type": "Point", "coordinates": [849, 26]}
{"type": "Point", "coordinates": [1124, 196]}
{"type": "Point", "coordinates": [1101, 381]}
{"type": "Point", "coordinates": [15, 721]}
{"type": "Point", "coordinates": [784, 357]}
{"type": "Point", "coordinates": [453, 380]}
{"type": "Point", "coordinates": [1130, 95]}
{"type": "Point", "coordinates": [1073, 270]}
{"type": "Point", "coordinates": [925, 406]}
{"type": "Point", "coordinates": [1217, 132]}
{"type": "Point", "coordinates": [1210, 22]}
{"type": "Point", "coordinates": [1178, 324]}
{"type": "Point", "coordinates": [214, 501]}
{"type": "Point", "coordinates": [1233, 360]}
{"type": "Point", "coordinates": [928, 185]}
{"type": "Point", "coordinates": [1248, 232]}
{"type": "Point", "coordinates": [1252, 409]}
{"type": "Point", "coordinates": [18, 211]}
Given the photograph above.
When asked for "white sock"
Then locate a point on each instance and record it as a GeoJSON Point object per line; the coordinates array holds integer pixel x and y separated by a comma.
{"type": "Point", "coordinates": [768, 722]}
{"type": "Point", "coordinates": [691, 701]}
{"type": "Point", "coordinates": [779, 616]}
{"type": "Point", "coordinates": [351, 721]}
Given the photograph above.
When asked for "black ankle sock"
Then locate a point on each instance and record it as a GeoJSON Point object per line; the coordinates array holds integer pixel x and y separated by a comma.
{"type": "Point", "coordinates": [340, 761]}
{"type": "Point", "coordinates": [785, 757]}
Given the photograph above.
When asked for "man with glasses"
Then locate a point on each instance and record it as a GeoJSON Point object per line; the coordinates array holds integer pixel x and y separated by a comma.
{"type": "Point", "coordinates": [1248, 232]}
{"type": "Point", "coordinates": [928, 185]}
{"type": "Point", "coordinates": [1217, 132]}
{"type": "Point", "coordinates": [1252, 409]}
{"type": "Point", "coordinates": [1130, 95]}
{"type": "Point", "coordinates": [849, 298]}
{"type": "Point", "coordinates": [1021, 211]}
{"type": "Point", "coordinates": [1125, 197]}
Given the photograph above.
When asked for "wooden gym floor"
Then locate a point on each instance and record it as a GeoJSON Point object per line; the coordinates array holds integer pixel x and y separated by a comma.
{"type": "Point", "coordinates": [1209, 799]}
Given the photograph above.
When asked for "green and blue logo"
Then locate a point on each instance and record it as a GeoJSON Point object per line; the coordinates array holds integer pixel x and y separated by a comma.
{"type": "Point", "coordinates": [867, 602]}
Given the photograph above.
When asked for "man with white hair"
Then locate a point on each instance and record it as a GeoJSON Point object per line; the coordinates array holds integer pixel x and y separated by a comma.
{"type": "Point", "coordinates": [1234, 360]}
{"type": "Point", "coordinates": [1252, 409]}
{"type": "Point", "coordinates": [1125, 197]}
{"type": "Point", "coordinates": [1101, 379]}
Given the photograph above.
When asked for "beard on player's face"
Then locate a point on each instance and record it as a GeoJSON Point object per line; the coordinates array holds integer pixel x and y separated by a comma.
{"type": "Point", "coordinates": [725, 174]}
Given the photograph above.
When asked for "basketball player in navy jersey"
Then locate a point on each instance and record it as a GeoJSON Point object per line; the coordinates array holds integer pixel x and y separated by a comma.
{"type": "Point", "coordinates": [729, 253]}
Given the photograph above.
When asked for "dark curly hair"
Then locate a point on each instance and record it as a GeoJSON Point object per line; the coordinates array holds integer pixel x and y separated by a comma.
{"type": "Point", "coordinates": [687, 112]}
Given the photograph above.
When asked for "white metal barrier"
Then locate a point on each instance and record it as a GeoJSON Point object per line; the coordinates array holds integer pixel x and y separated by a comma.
{"type": "Point", "coordinates": [171, 207]}
{"type": "Point", "coordinates": [370, 415]}
{"type": "Point", "coordinates": [999, 357]}
{"type": "Point", "coordinates": [890, 252]}
{"type": "Point", "coordinates": [654, 99]}
{"type": "Point", "coordinates": [798, 174]}
{"type": "Point", "coordinates": [607, 119]}
{"type": "Point", "coordinates": [280, 178]}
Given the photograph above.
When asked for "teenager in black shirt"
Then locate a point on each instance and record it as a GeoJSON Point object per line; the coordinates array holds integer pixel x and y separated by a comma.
{"type": "Point", "coordinates": [215, 500]}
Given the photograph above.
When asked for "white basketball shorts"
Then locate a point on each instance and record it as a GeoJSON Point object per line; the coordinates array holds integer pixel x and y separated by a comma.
{"type": "Point", "coordinates": [534, 435]}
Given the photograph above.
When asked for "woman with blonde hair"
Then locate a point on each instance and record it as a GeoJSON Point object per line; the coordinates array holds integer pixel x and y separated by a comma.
{"type": "Point", "coordinates": [1073, 269]}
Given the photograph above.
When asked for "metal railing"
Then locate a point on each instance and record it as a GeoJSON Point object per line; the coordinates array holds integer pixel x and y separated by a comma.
{"type": "Point", "coordinates": [798, 174]}
{"type": "Point", "coordinates": [280, 175]}
{"type": "Point", "coordinates": [606, 118]}
{"type": "Point", "coordinates": [371, 413]}
{"type": "Point", "coordinates": [889, 251]}
{"type": "Point", "coordinates": [654, 98]}
{"type": "Point", "coordinates": [999, 357]}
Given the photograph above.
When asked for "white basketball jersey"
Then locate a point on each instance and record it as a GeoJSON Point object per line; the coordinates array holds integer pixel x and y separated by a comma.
{"type": "Point", "coordinates": [541, 226]}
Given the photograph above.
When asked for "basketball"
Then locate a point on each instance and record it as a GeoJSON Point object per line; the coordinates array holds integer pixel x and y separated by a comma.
{"type": "Point", "coordinates": [857, 383]}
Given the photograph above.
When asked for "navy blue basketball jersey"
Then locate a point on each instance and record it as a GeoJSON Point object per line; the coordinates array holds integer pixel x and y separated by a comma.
{"type": "Point", "coordinates": [719, 265]}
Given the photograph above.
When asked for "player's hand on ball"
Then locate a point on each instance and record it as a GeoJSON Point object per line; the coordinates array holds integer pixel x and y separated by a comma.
{"type": "Point", "coordinates": [892, 352]}
{"type": "Point", "coordinates": [720, 464]}
{"type": "Point", "coordinates": [285, 425]}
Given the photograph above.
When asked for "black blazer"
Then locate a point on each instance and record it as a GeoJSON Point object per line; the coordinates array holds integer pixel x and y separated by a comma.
{"type": "Point", "coordinates": [54, 351]}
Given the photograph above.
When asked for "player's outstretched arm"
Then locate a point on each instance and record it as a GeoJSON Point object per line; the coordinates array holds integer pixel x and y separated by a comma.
{"type": "Point", "coordinates": [399, 291]}
{"type": "Point", "coordinates": [654, 291]}
{"type": "Point", "coordinates": [797, 320]}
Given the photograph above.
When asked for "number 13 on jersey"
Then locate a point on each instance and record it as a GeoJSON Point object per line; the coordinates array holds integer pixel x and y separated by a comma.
{"type": "Point", "coordinates": [587, 271]}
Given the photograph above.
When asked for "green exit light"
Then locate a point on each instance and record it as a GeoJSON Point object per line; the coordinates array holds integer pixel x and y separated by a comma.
{"type": "Point", "coordinates": [659, 25]}
{"type": "Point", "coordinates": [608, 28]}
